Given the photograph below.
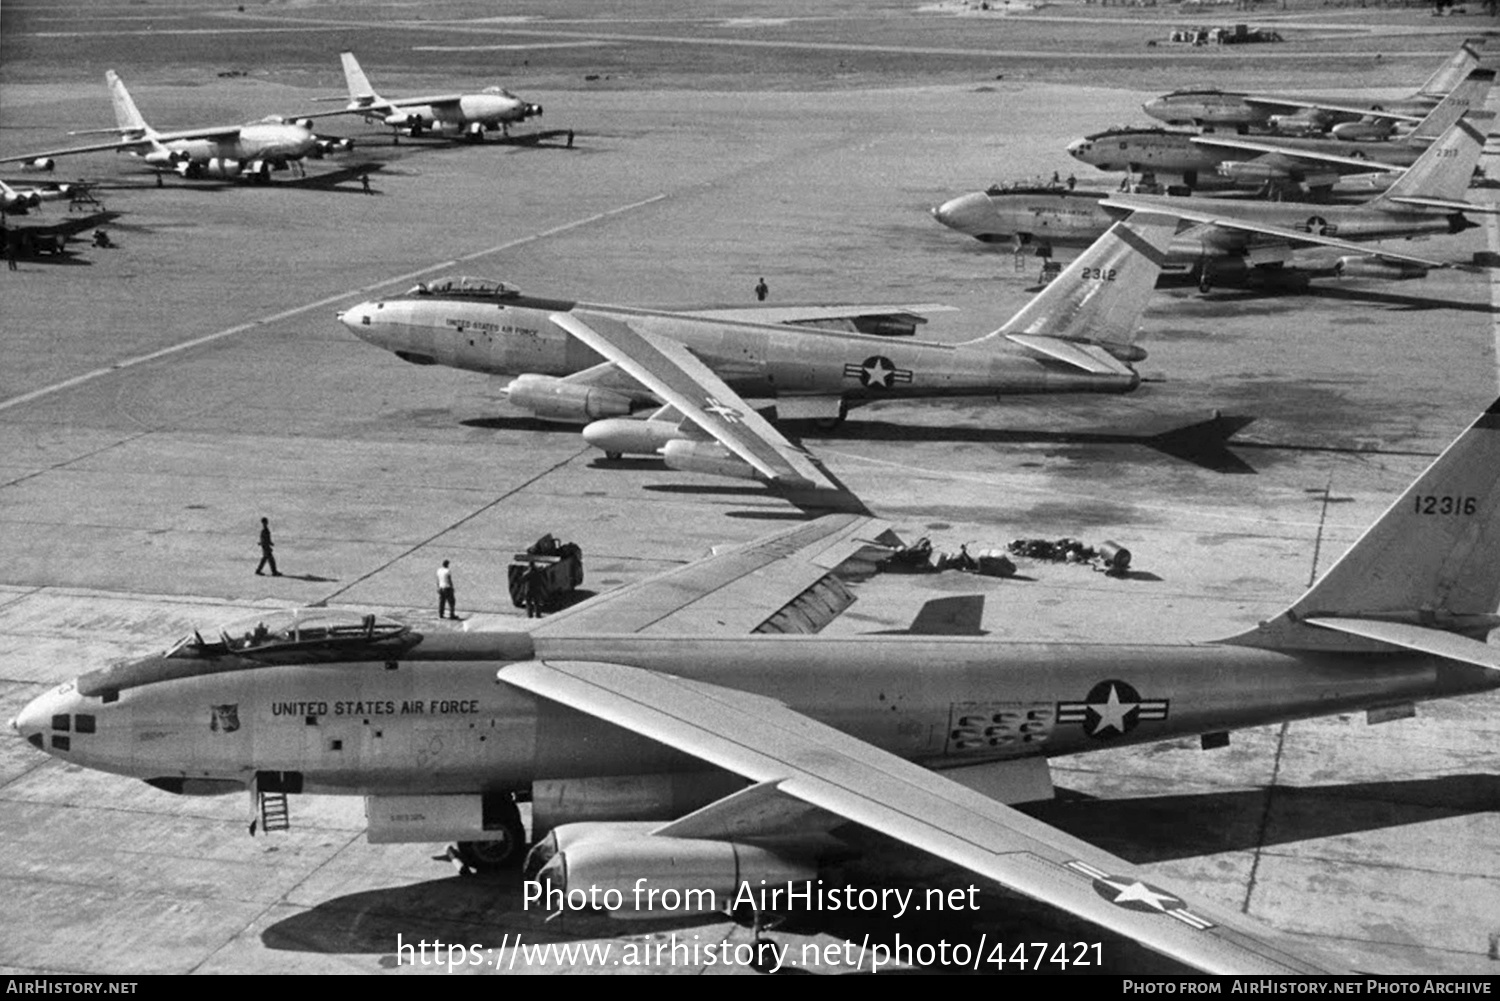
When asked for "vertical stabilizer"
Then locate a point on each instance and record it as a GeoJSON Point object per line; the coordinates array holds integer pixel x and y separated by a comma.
{"type": "Point", "coordinates": [1470, 95]}
{"type": "Point", "coordinates": [127, 115]}
{"type": "Point", "coordinates": [1452, 72]}
{"type": "Point", "coordinates": [1443, 171]}
{"type": "Point", "coordinates": [1433, 558]}
{"type": "Point", "coordinates": [360, 91]}
{"type": "Point", "coordinates": [1100, 297]}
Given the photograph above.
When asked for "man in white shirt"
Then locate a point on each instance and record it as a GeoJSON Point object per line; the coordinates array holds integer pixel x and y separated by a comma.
{"type": "Point", "coordinates": [445, 591]}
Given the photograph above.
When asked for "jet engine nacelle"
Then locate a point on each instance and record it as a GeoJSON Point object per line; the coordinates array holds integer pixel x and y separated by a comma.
{"type": "Point", "coordinates": [551, 398]}
{"type": "Point", "coordinates": [166, 158]}
{"type": "Point", "coordinates": [624, 436]}
{"type": "Point", "coordinates": [40, 164]}
{"type": "Point", "coordinates": [334, 145]}
{"type": "Point", "coordinates": [1252, 172]}
{"type": "Point", "coordinates": [21, 201]}
{"type": "Point", "coordinates": [403, 120]}
{"type": "Point", "coordinates": [1362, 131]}
{"type": "Point", "coordinates": [1357, 266]}
{"type": "Point", "coordinates": [222, 167]}
{"type": "Point", "coordinates": [694, 456]}
{"type": "Point", "coordinates": [631, 873]}
{"type": "Point", "coordinates": [306, 123]}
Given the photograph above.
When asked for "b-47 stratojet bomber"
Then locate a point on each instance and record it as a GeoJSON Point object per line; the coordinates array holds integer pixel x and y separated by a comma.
{"type": "Point", "coordinates": [1235, 240]}
{"type": "Point", "coordinates": [1287, 166]}
{"type": "Point", "coordinates": [585, 363]}
{"type": "Point", "coordinates": [663, 738]}
{"type": "Point", "coordinates": [1211, 108]}
{"type": "Point", "coordinates": [469, 115]}
{"type": "Point", "coordinates": [227, 152]}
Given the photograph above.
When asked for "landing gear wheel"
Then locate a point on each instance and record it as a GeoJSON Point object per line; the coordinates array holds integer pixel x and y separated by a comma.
{"type": "Point", "coordinates": [1205, 286]}
{"type": "Point", "coordinates": [614, 456]}
{"type": "Point", "coordinates": [499, 853]}
{"type": "Point", "coordinates": [829, 423]}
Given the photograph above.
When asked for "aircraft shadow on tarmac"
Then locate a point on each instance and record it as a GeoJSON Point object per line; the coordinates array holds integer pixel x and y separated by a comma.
{"type": "Point", "coordinates": [1346, 294]}
{"type": "Point", "coordinates": [311, 578]}
{"type": "Point", "coordinates": [1161, 828]}
{"type": "Point", "coordinates": [490, 911]}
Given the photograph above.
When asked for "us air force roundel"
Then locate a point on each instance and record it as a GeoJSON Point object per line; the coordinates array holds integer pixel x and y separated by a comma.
{"type": "Point", "coordinates": [1112, 709]}
{"type": "Point", "coordinates": [1135, 895]}
{"type": "Point", "coordinates": [877, 372]}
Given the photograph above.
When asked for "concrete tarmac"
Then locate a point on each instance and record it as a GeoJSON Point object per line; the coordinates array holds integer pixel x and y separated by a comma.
{"type": "Point", "coordinates": [160, 397]}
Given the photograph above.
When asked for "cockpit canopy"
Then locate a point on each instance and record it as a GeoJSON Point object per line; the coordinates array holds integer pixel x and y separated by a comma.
{"type": "Point", "coordinates": [460, 285]}
{"type": "Point", "coordinates": [286, 628]}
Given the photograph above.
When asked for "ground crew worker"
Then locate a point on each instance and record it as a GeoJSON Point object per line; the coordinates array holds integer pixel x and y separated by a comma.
{"type": "Point", "coordinates": [266, 545]}
{"type": "Point", "coordinates": [762, 290]}
{"type": "Point", "coordinates": [445, 591]}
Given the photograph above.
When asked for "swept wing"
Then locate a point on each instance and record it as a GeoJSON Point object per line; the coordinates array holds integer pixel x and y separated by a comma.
{"type": "Point", "coordinates": [221, 133]}
{"type": "Point", "coordinates": [1291, 103]}
{"type": "Point", "coordinates": [1270, 149]}
{"type": "Point", "coordinates": [673, 373]}
{"type": "Point", "coordinates": [762, 586]}
{"type": "Point", "coordinates": [1223, 221]}
{"type": "Point", "coordinates": [766, 742]}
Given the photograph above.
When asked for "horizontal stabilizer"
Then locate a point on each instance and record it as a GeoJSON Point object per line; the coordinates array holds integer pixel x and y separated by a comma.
{"type": "Point", "coordinates": [1422, 639]}
{"type": "Point", "coordinates": [1445, 204]}
{"type": "Point", "coordinates": [1090, 358]}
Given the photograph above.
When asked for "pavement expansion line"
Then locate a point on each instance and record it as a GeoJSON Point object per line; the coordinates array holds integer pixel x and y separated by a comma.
{"type": "Point", "coordinates": [238, 328]}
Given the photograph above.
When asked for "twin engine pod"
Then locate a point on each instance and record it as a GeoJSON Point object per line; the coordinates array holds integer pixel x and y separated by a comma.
{"type": "Point", "coordinates": [627, 872]}
{"type": "Point", "coordinates": [551, 398]}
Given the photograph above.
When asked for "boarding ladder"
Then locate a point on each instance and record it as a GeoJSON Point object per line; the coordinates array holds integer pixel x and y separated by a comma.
{"type": "Point", "coordinates": [275, 815]}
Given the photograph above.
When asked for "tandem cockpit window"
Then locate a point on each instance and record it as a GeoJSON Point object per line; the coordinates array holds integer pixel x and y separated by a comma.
{"type": "Point", "coordinates": [292, 627]}
{"type": "Point", "coordinates": [468, 287]}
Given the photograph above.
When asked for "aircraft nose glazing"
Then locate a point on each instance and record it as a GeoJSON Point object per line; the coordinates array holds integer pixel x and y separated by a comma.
{"type": "Point", "coordinates": [963, 211]}
{"type": "Point", "coordinates": [40, 713]}
{"type": "Point", "coordinates": [356, 318]}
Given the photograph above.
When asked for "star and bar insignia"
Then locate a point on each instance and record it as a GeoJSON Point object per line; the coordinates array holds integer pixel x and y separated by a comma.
{"type": "Point", "coordinates": [877, 372]}
{"type": "Point", "coordinates": [1111, 709]}
{"type": "Point", "coordinates": [1136, 895]}
{"type": "Point", "coordinates": [722, 410]}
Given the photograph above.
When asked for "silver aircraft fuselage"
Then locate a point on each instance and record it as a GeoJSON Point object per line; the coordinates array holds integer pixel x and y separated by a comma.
{"type": "Point", "coordinates": [1075, 219]}
{"type": "Point", "coordinates": [512, 334]}
{"type": "Point", "coordinates": [424, 714]}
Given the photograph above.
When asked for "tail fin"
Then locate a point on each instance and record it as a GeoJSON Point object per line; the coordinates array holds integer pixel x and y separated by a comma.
{"type": "Point", "coordinates": [127, 116]}
{"type": "Point", "coordinates": [1432, 561]}
{"type": "Point", "coordinates": [1442, 172]}
{"type": "Point", "coordinates": [1452, 72]}
{"type": "Point", "coordinates": [360, 91]}
{"type": "Point", "coordinates": [1468, 96]}
{"type": "Point", "coordinates": [1099, 298]}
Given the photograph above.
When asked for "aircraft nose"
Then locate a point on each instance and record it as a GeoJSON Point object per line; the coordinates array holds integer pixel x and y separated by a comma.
{"type": "Point", "coordinates": [964, 212]}
{"type": "Point", "coordinates": [1077, 148]}
{"type": "Point", "coordinates": [37, 718]}
{"type": "Point", "coordinates": [357, 318]}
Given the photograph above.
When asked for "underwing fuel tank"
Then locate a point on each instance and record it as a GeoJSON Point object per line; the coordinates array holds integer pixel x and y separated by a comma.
{"type": "Point", "coordinates": [1357, 266]}
{"type": "Point", "coordinates": [691, 456]}
{"type": "Point", "coordinates": [625, 436]}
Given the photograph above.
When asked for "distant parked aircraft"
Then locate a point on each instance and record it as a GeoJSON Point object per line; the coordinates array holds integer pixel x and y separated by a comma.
{"type": "Point", "coordinates": [220, 152]}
